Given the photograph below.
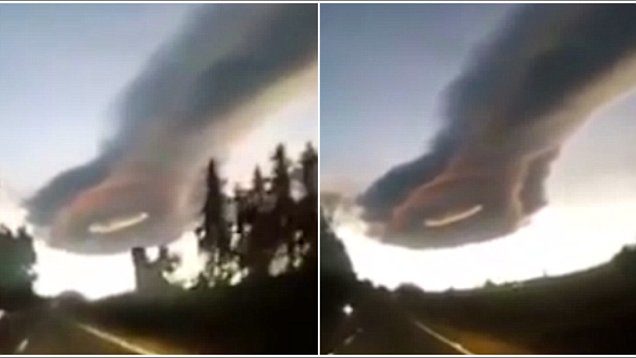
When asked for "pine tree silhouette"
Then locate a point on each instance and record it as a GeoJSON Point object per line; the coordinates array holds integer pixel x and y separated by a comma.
{"type": "Point", "coordinates": [260, 220]}
{"type": "Point", "coordinates": [281, 180]}
{"type": "Point", "coordinates": [309, 162]}
{"type": "Point", "coordinates": [258, 183]}
{"type": "Point", "coordinates": [215, 233]}
{"type": "Point", "coordinates": [306, 218]}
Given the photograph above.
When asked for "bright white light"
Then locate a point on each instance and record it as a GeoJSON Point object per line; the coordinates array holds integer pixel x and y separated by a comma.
{"type": "Point", "coordinates": [11, 214]}
{"type": "Point", "coordinates": [96, 276]}
{"type": "Point", "coordinates": [192, 262]}
{"type": "Point", "coordinates": [58, 271]}
{"type": "Point", "coordinates": [559, 240]}
{"type": "Point", "coordinates": [453, 217]}
{"type": "Point", "coordinates": [117, 224]}
{"type": "Point", "coordinates": [93, 276]}
{"type": "Point", "coordinates": [347, 309]}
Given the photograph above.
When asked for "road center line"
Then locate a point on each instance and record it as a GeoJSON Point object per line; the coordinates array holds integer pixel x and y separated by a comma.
{"type": "Point", "coordinates": [351, 338]}
{"type": "Point", "coordinates": [456, 346]}
{"type": "Point", "coordinates": [24, 343]}
{"type": "Point", "coordinates": [114, 339]}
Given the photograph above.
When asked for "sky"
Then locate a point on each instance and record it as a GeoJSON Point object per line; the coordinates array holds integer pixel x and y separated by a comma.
{"type": "Point", "coordinates": [383, 68]}
{"type": "Point", "coordinates": [63, 68]}
{"type": "Point", "coordinates": [384, 72]}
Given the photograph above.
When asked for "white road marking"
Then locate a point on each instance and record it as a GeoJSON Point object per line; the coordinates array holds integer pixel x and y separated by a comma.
{"type": "Point", "coordinates": [350, 339]}
{"type": "Point", "coordinates": [114, 339]}
{"type": "Point", "coordinates": [456, 346]}
{"type": "Point", "coordinates": [22, 346]}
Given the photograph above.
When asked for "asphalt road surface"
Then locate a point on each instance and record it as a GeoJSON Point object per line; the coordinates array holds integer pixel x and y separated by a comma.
{"type": "Point", "coordinates": [376, 323]}
{"type": "Point", "coordinates": [46, 332]}
{"type": "Point", "coordinates": [413, 337]}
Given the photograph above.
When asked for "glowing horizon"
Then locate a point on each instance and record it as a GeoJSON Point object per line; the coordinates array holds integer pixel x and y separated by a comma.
{"type": "Point", "coordinates": [559, 240]}
{"type": "Point", "coordinates": [99, 276]}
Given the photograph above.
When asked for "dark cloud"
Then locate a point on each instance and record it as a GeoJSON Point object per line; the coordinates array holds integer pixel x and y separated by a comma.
{"type": "Point", "coordinates": [507, 116]}
{"type": "Point", "coordinates": [224, 58]}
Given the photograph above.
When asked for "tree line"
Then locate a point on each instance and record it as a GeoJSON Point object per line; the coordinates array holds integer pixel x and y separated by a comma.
{"type": "Point", "coordinates": [242, 234]}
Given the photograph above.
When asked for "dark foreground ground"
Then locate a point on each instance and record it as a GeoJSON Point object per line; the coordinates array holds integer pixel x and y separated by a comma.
{"type": "Point", "coordinates": [269, 316]}
{"type": "Point", "coordinates": [591, 312]}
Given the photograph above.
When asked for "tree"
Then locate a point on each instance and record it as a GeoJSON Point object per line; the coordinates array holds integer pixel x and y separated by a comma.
{"type": "Point", "coordinates": [17, 257]}
{"type": "Point", "coordinates": [284, 210]}
{"type": "Point", "coordinates": [258, 183]}
{"type": "Point", "coordinates": [281, 181]}
{"type": "Point", "coordinates": [309, 162]}
{"type": "Point", "coordinates": [215, 236]}
{"type": "Point", "coordinates": [307, 208]}
{"type": "Point", "coordinates": [266, 219]}
{"type": "Point", "coordinates": [214, 231]}
{"type": "Point", "coordinates": [625, 260]}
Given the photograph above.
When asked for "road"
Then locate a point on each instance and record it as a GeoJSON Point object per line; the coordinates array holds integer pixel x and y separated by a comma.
{"type": "Point", "coordinates": [46, 332]}
{"type": "Point", "coordinates": [375, 324]}
{"type": "Point", "coordinates": [378, 324]}
{"type": "Point", "coordinates": [412, 338]}
{"type": "Point", "coordinates": [393, 334]}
